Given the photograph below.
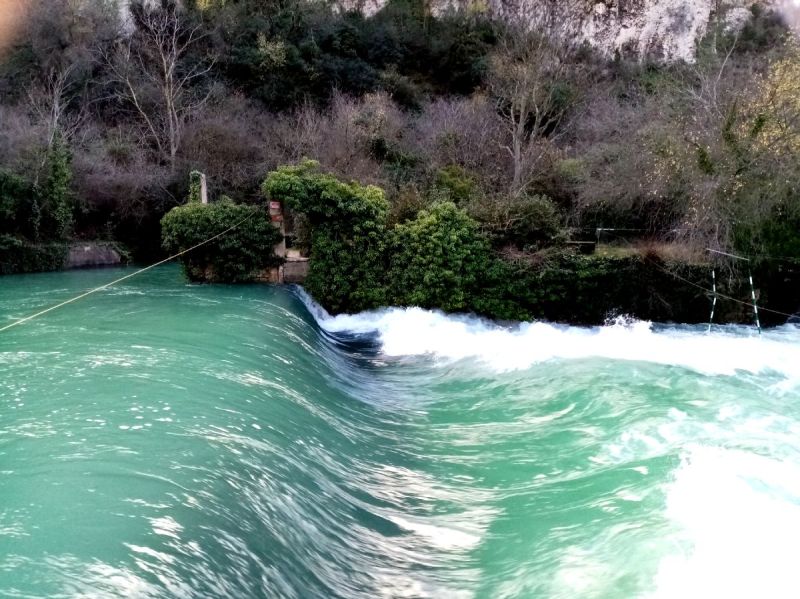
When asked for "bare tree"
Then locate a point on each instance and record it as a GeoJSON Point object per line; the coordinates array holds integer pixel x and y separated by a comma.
{"type": "Point", "coordinates": [529, 73]}
{"type": "Point", "coordinates": [464, 131]}
{"type": "Point", "coordinates": [49, 101]}
{"type": "Point", "coordinates": [155, 76]}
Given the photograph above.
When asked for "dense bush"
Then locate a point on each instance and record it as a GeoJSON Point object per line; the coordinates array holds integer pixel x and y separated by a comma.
{"type": "Point", "coordinates": [359, 262]}
{"type": "Point", "coordinates": [55, 195]}
{"type": "Point", "coordinates": [432, 108]}
{"type": "Point", "coordinates": [441, 259]}
{"type": "Point", "coordinates": [16, 205]}
{"type": "Point", "coordinates": [237, 255]}
{"type": "Point", "coordinates": [524, 222]}
{"type": "Point", "coordinates": [456, 184]}
{"type": "Point", "coordinates": [288, 53]}
{"type": "Point", "coordinates": [438, 260]}
{"type": "Point", "coordinates": [41, 212]}
{"type": "Point", "coordinates": [19, 256]}
{"type": "Point", "coordinates": [348, 234]}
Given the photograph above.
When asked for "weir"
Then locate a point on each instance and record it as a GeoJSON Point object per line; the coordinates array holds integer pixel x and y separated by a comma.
{"type": "Point", "coordinates": [219, 435]}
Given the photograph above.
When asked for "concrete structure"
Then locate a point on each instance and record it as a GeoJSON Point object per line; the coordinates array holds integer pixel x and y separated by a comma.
{"type": "Point", "coordinates": [92, 254]}
{"type": "Point", "coordinates": [294, 270]}
{"type": "Point", "coordinates": [203, 189]}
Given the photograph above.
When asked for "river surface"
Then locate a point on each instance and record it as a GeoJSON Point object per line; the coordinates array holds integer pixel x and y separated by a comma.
{"type": "Point", "coordinates": [163, 440]}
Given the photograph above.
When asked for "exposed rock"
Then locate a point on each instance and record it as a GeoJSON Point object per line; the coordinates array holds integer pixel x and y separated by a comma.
{"type": "Point", "coordinates": [667, 29]}
{"type": "Point", "coordinates": [93, 253]}
{"type": "Point", "coordinates": [660, 29]}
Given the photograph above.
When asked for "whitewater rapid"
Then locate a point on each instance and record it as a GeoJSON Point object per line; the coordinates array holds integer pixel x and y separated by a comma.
{"type": "Point", "coordinates": [418, 332]}
{"type": "Point", "coordinates": [733, 514]}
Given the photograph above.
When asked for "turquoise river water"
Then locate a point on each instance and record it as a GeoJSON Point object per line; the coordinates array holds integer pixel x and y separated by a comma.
{"type": "Point", "coordinates": [163, 440]}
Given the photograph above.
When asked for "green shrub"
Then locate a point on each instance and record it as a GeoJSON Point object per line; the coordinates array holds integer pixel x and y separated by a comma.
{"type": "Point", "coordinates": [348, 234]}
{"type": "Point", "coordinates": [324, 198]}
{"type": "Point", "coordinates": [16, 203]}
{"type": "Point", "coordinates": [524, 222]}
{"type": "Point", "coordinates": [290, 53]}
{"type": "Point", "coordinates": [457, 184]}
{"type": "Point", "coordinates": [442, 260]}
{"type": "Point", "coordinates": [438, 260]}
{"type": "Point", "coordinates": [236, 256]}
{"type": "Point", "coordinates": [19, 256]}
{"type": "Point", "coordinates": [765, 29]}
{"type": "Point", "coordinates": [359, 262]}
{"type": "Point", "coordinates": [55, 195]}
{"type": "Point", "coordinates": [195, 186]}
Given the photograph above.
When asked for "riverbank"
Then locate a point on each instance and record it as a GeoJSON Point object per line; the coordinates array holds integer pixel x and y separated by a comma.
{"type": "Point", "coordinates": [18, 256]}
{"type": "Point", "coordinates": [557, 286]}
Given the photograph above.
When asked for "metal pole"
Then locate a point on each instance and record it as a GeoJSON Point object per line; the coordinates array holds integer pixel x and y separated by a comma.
{"type": "Point", "coordinates": [752, 287]}
{"type": "Point", "coordinates": [714, 299]}
{"type": "Point", "coordinates": [755, 304]}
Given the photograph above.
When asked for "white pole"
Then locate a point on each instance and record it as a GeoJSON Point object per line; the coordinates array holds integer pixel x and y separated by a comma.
{"type": "Point", "coordinates": [755, 304]}
{"type": "Point", "coordinates": [714, 299]}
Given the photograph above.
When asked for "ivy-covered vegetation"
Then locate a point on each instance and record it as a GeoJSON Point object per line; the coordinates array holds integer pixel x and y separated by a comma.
{"type": "Point", "coordinates": [442, 259]}
{"type": "Point", "coordinates": [235, 256]}
{"type": "Point", "coordinates": [360, 261]}
{"type": "Point", "coordinates": [20, 256]}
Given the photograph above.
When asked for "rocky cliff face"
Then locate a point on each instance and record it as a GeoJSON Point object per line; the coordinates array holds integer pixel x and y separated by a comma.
{"type": "Point", "coordinates": [668, 29]}
{"type": "Point", "coordinates": [662, 29]}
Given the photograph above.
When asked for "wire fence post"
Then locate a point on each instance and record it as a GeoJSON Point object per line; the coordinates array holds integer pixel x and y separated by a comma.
{"type": "Point", "coordinates": [713, 299]}
{"type": "Point", "coordinates": [755, 304]}
{"type": "Point", "coordinates": [752, 286]}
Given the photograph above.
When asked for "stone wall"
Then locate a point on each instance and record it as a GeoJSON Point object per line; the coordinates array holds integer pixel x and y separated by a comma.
{"type": "Point", "coordinates": [92, 254]}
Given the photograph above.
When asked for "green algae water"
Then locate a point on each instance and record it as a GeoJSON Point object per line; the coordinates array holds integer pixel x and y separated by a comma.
{"type": "Point", "coordinates": [163, 440]}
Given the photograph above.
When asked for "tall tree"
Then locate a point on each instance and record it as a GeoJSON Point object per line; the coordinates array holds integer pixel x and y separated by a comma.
{"type": "Point", "coordinates": [160, 72]}
{"type": "Point", "coordinates": [529, 77]}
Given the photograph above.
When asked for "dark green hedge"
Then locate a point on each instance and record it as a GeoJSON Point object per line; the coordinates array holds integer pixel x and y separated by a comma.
{"type": "Point", "coordinates": [19, 256]}
{"type": "Point", "coordinates": [234, 257]}
{"type": "Point", "coordinates": [569, 287]}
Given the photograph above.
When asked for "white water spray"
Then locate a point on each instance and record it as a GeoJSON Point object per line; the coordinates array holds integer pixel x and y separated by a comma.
{"type": "Point", "coordinates": [739, 515]}
{"type": "Point", "coordinates": [417, 332]}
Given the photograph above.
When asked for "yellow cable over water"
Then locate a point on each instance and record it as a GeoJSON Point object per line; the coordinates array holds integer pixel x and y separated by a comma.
{"type": "Point", "coordinates": [126, 277]}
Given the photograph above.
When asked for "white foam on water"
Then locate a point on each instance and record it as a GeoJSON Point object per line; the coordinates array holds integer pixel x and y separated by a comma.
{"type": "Point", "coordinates": [738, 514]}
{"type": "Point", "coordinates": [418, 332]}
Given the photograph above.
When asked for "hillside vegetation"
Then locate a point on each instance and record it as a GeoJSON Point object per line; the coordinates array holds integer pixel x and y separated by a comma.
{"type": "Point", "coordinates": [520, 134]}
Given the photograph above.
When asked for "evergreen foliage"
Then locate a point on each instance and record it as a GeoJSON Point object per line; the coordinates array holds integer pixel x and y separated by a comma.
{"type": "Point", "coordinates": [487, 144]}
{"type": "Point", "coordinates": [236, 256]}
{"type": "Point", "coordinates": [16, 208]}
{"type": "Point", "coordinates": [438, 260]}
{"type": "Point", "coordinates": [288, 53]}
{"type": "Point", "coordinates": [348, 234]}
{"type": "Point", "coordinates": [195, 186]}
{"type": "Point", "coordinates": [55, 195]}
{"type": "Point", "coordinates": [19, 256]}
{"type": "Point", "coordinates": [360, 262]}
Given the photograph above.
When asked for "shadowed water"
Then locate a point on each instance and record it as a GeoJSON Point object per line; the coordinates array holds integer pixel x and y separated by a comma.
{"type": "Point", "coordinates": [166, 440]}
